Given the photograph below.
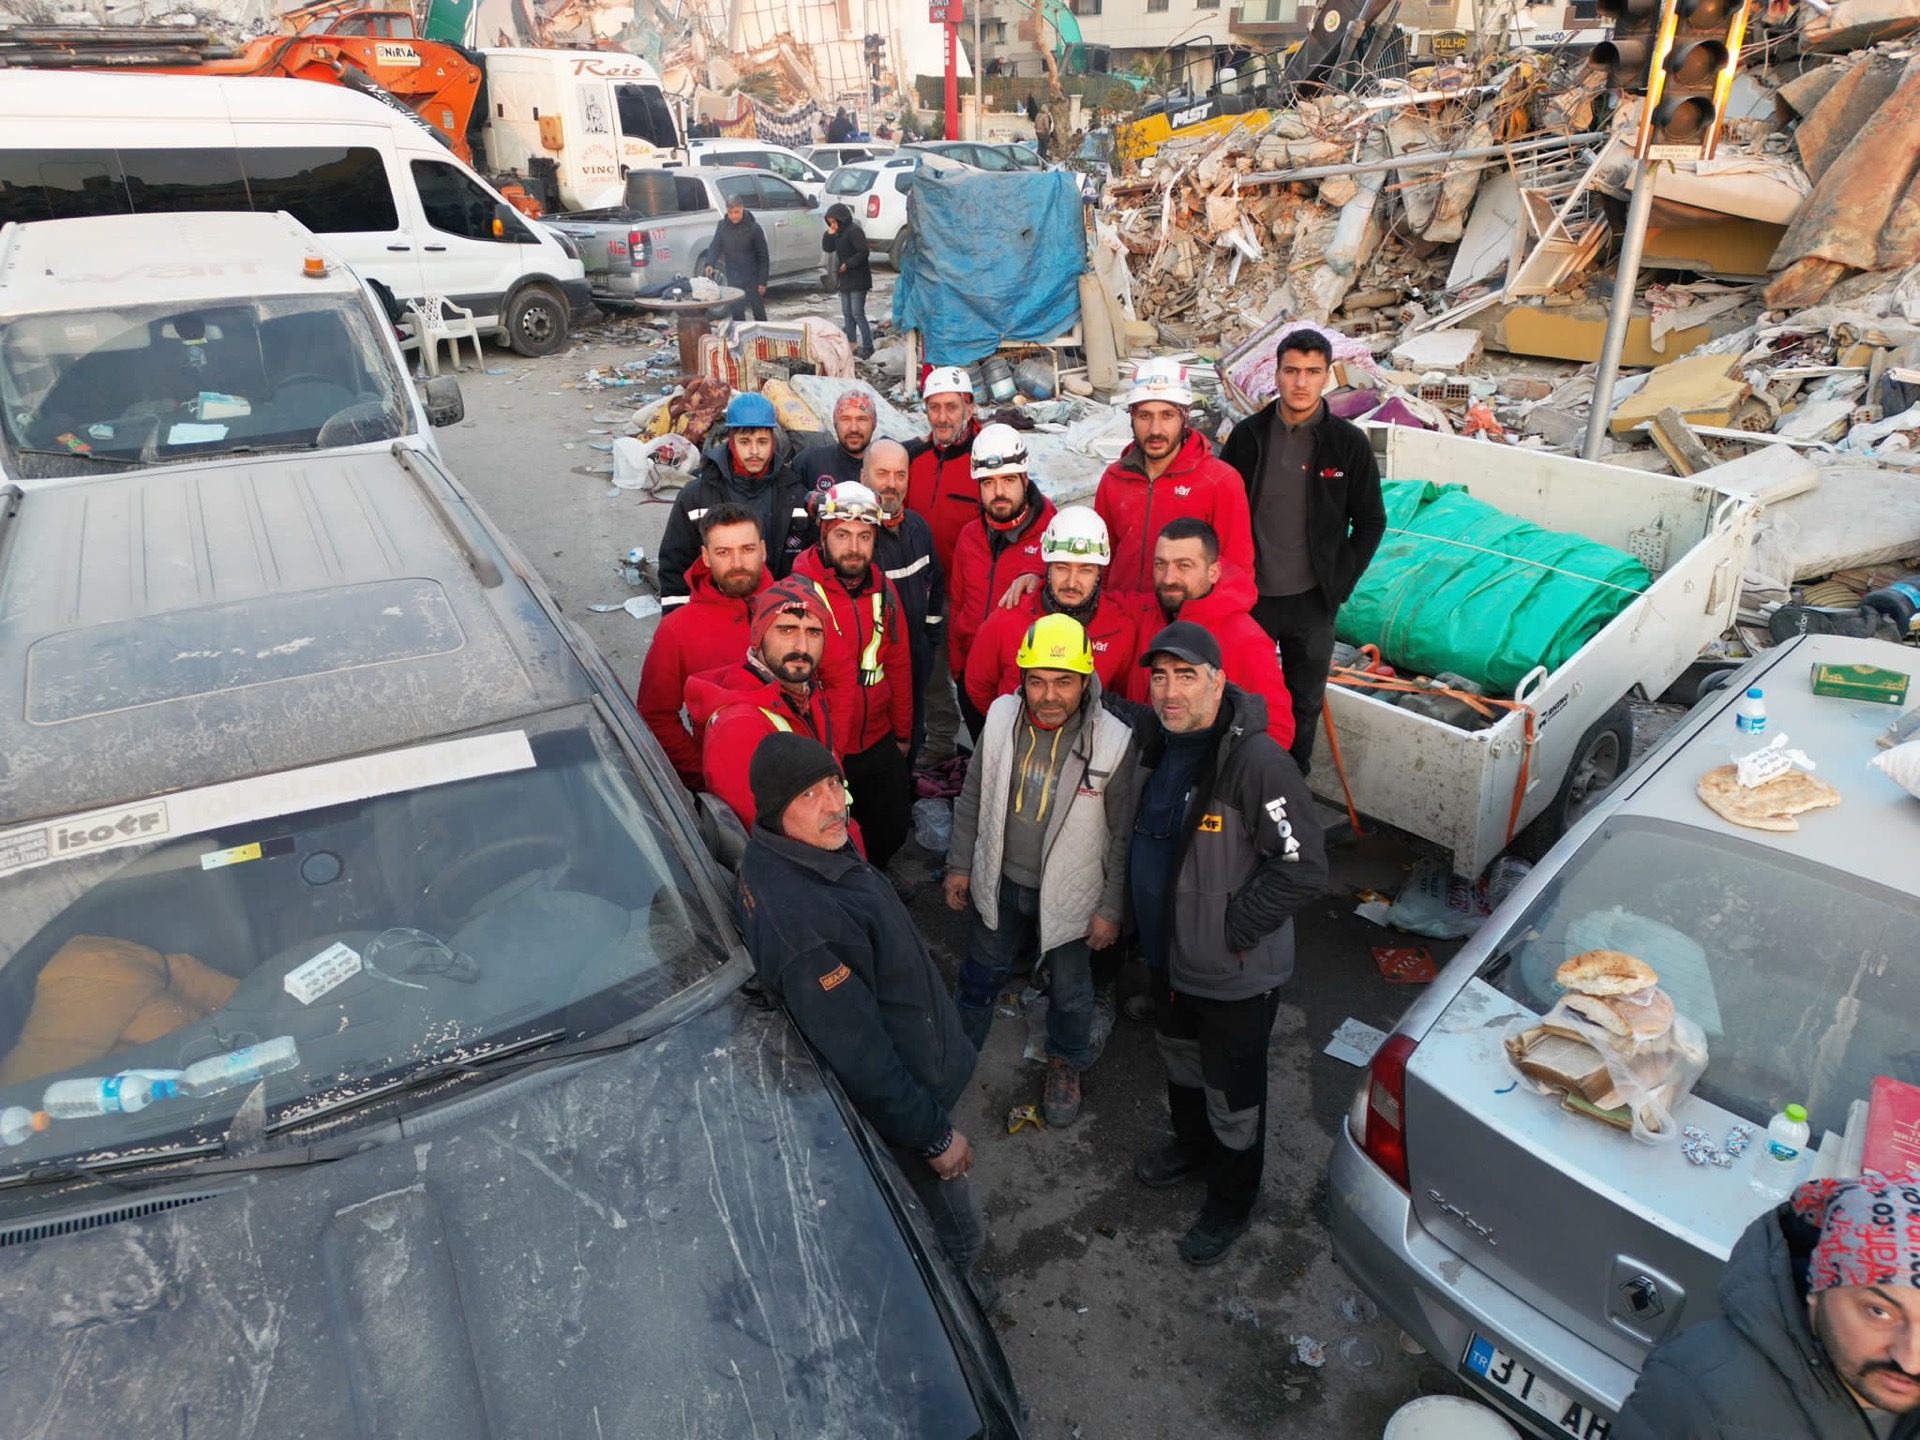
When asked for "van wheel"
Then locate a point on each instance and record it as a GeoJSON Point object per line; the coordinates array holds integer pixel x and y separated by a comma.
{"type": "Point", "coordinates": [536, 322]}
{"type": "Point", "coordinates": [897, 249]}
{"type": "Point", "coordinates": [1599, 760]}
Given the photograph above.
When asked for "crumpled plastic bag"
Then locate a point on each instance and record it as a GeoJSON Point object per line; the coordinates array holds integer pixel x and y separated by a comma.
{"type": "Point", "coordinates": [933, 824]}
{"type": "Point", "coordinates": [639, 465]}
{"type": "Point", "coordinates": [1651, 1076]}
{"type": "Point", "coordinates": [1902, 764]}
{"type": "Point", "coordinates": [1437, 903]}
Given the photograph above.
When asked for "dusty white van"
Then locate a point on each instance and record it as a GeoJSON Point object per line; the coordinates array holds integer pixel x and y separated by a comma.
{"type": "Point", "coordinates": [389, 198]}
{"type": "Point", "coordinates": [573, 122]}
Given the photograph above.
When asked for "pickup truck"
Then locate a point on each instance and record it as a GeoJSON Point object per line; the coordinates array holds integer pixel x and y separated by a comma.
{"type": "Point", "coordinates": [669, 218]}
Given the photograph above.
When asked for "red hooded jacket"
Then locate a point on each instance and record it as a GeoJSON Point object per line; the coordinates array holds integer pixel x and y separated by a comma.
{"type": "Point", "coordinates": [733, 709]}
{"type": "Point", "coordinates": [1137, 509]}
{"type": "Point", "coordinates": [709, 629]}
{"type": "Point", "coordinates": [991, 671]}
{"type": "Point", "coordinates": [940, 486]}
{"type": "Point", "coordinates": [868, 666]}
{"type": "Point", "coordinates": [985, 562]}
{"type": "Point", "coordinates": [1246, 651]}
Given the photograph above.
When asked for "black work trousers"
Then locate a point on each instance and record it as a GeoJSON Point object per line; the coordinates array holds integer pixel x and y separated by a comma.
{"type": "Point", "coordinates": [1302, 626]}
{"type": "Point", "coordinates": [753, 300]}
{"type": "Point", "coordinates": [882, 789]}
{"type": "Point", "coordinates": [1216, 1057]}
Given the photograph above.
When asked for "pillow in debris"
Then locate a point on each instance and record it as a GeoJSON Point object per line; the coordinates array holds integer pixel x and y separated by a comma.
{"type": "Point", "coordinates": [1902, 763]}
{"type": "Point", "coordinates": [1458, 585]}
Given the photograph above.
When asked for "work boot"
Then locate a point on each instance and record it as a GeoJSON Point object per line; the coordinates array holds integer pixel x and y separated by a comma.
{"type": "Point", "coordinates": [1060, 1097]}
{"type": "Point", "coordinates": [1167, 1165]}
{"type": "Point", "coordinates": [1209, 1239]}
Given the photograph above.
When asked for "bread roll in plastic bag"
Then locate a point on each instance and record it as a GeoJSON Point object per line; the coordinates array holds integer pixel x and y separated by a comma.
{"type": "Point", "coordinates": [1652, 1072]}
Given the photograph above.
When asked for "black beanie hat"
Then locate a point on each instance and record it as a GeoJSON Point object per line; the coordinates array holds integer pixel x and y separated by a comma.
{"type": "Point", "coordinates": [784, 764]}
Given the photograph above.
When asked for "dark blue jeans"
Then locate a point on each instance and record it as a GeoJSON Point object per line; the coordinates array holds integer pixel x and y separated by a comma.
{"type": "Point", "coordinates": [990, 958]}
{"type": "Point", "coordinates": [853, 313]}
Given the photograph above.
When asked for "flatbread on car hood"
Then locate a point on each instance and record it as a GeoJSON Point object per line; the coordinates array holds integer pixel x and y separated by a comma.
{"type": "Point", "coordinates": [1771, 806]}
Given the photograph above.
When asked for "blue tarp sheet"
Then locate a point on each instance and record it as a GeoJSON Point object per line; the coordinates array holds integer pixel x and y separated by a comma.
{"type": "Point", "coordinates": [991, 258]}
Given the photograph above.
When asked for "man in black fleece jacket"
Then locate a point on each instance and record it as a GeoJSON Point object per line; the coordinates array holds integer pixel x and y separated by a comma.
{"type": "Point", "coordinates": [834, 944]}
{"type": "Point", "coordinates": [739, 249]}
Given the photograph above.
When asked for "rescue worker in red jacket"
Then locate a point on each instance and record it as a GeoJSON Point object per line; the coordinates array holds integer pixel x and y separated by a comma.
{"type": "Point", "coordinates": [868, 665]}
{"type": "Point", "coordinates": [941, 491]}
{"type": "Point", "coordinates": [775, 688]}
{"type": "Point", "coordinates": [1169, 472]}
{"type": "Point", "coordinates": [1190, 582]}
{"type": "Point", "coordinates": [1002, 545]}
{"type": "Point", "coordinates": [1076, 555]}
{"type": "Point", "coordinates": [717, 620]}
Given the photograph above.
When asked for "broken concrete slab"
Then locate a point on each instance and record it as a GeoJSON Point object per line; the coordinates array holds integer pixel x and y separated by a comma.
{"type": "Point", "coordinates": [1704, 389]}
{"type": "Point", "coordinates": [1554, 426]}
{"type": "Point", "coordinates": [1575, 332]}
{"type": "Point", "coordinates": [1856, 24]}
{"type": "Point", "coordinates": [1768, 474]}
{"type": "Point", "coordinates": [1451, 351]}
{"type": "Point", "coordinates": [1859, 515]}
{"type": "Point", "coordinates": [1488, 240]}
{"type": "Point", "coordinates": [1816, 420]}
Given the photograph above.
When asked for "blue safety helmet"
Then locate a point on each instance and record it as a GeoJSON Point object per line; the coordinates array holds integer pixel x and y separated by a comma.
{"type": "Point", "coordinates": [748, 411]}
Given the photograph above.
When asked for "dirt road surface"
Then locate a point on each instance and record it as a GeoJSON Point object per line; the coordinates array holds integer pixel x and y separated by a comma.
{"type": "Point", "coordinates": [1109, 1333]}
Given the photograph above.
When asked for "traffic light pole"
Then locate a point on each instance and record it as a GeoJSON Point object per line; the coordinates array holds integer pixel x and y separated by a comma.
{"type": "Point", "coordinates": [1620, 313]}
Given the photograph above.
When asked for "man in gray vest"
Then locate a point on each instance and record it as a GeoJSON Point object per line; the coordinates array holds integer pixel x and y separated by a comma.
{"type": "Point", "coordinates": [1043, 826]}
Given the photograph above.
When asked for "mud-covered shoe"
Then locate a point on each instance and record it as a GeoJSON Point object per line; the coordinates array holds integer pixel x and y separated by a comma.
{"type": "Point", "coordinates": [1208, 1241]}
{"type": "Point", "coordinates": [1060, 1097]}
{"type": "Point", "coordinates": [1166, 1165]}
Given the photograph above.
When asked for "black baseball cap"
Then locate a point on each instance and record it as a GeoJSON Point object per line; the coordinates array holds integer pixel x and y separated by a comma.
{"type": "Point", "coordinates": [1190, 642]}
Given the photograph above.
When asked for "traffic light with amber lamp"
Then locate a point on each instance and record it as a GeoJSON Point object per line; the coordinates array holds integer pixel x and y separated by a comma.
{"type": "Point", "coordinates": [1697, 56]}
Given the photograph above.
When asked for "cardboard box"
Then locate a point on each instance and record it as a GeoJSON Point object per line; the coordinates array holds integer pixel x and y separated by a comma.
{"type": "Point", "coordinates": [1861, 682]}
{"type": "Point", "coordinates": [1893, 1128]}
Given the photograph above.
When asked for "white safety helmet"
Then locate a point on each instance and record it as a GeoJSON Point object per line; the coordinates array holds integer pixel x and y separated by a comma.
{"type": "Point", "coordinates": [998, 450]}
{"type": "Point", "coordinates": [947, 380]}
{"type": "Point", "coordinates": [1077, 536]}
{"type": "Point", "coordinates": [1161, 380]}
{"type": "Point", "coordinates": [849, 500]}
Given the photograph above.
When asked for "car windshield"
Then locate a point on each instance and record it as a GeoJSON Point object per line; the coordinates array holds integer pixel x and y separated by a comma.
{"type": "Point", "coordinates": [334, 929]}
{"type": "Point", "coordinates": [1804, 979]}
{"type": "Point", "coordinates": [149, 384]}
{"type": "Point", "coordinates": [849, 182]}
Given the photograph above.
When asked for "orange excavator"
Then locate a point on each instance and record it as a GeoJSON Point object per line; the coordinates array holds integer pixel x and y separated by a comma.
{"type": "Point", "coordinates": [335, 41]}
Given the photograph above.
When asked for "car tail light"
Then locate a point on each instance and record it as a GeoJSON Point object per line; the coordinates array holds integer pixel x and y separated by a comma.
{"type": "Point", "coordinates": [1385, 1115]}
{"type": "Point", "coordinates": [873, 207]}
{"type": "Point", "coordinates": [638, 251]}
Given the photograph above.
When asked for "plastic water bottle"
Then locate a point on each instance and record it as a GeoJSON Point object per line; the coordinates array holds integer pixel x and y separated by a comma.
{"type": "Point", "coordinates": [19, 1124]}
{"type": "Point", "coordinates": [108, 1095]}
{"type": "Point", "coordinates": [1750, 714]}
{"type": "Point", "coordinates": [1779, 1159]}
{"type": "Point", "coordinates": [240, 1067]}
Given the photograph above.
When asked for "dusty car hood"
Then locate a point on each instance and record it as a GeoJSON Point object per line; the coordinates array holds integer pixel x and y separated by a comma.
{"type": "Point", "coordinates": [683, 1237]}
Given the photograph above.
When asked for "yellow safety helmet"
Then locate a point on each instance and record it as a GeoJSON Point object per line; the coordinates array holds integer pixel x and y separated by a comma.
{"type": "Point", "coordinates": [1056, 642]}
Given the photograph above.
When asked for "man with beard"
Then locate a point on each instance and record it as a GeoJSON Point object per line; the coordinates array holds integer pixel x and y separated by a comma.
{"type": "Point", "coordinates": [1076, 555]}
{"type": "Point", "coordinates": [826, 463]}
{"type": "Point", "coordinates": [716, 620]}
{"type": "Point", "coordinates": [1043, 825]}
{"type": "Point", "coordinates": [904, 551]}
{"type": "Point", "coordinates": [1818, 1335]}
{"type": "Point", "coordinates": [1191, 583]}
{"type": "Point", "coordinates": [775, 688]}
{"type": "Point", "coordinates": [994, 550]}
{"type": "Point", "coordinates": [1168, 473]}
{"type": "Point", "coordinates": [747, 467]}
{"type": "Point", "coordinates": [941, 489]}
{"type": "Point", "coordinates": [1314, 488]}
{"type": "Point", "coordinates": [868, 664]}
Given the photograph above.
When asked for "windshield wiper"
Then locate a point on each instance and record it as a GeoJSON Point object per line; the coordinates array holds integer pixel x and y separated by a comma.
{"type": "Point", "coordinates": [92, 457]}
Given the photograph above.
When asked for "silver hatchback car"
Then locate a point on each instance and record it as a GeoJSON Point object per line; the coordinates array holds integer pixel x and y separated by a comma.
{"type": "Point", "coordinates": [1540, 1252]}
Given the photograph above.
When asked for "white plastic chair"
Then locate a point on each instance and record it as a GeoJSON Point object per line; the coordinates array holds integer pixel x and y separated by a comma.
{"type": "Point", "coordinates": [436, 318]}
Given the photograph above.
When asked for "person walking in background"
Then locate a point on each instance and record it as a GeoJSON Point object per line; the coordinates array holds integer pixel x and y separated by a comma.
{"type": "Point", "coordinates": [868, 666]}
{"type": "Point", "coordinates": [1313, 487]}
{"type": "Point", "coordinates": [904, 552]}
{"type": "Point", "coordinates": [1226, 848]}
{"type": "Point", "coordinates": [738, 250]}
{"type": "Point", "coordinates": [717, 620]}
{"type": "Point", "coordinates": [847, 255]}
{"type": "Point", "coordinates": [1042, 826]}
{"type": "Point", "coordinates": [825, 463]}
{"type": "Point", "coordinates": [832, 943]}
{"type": "Point", "coordinates": [748, 466]}
{"type": "Point", "coordinates": [1042, 119]}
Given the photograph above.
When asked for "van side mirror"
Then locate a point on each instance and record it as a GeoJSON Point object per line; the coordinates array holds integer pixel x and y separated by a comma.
{"type": "Point", "coordinates": [444, 403]}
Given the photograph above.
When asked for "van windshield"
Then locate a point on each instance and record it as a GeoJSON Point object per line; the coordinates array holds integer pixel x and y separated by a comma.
{"type": "Point", "coordinates": [331, 930]}
{"type": "Point", "coordinates": [153, 384]}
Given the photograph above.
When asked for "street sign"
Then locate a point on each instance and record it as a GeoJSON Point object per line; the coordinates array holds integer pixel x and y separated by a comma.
{"type": "Point", "coordinates": [1450, 42]}
{"type": "Point", "coordinates": [946, 12]}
